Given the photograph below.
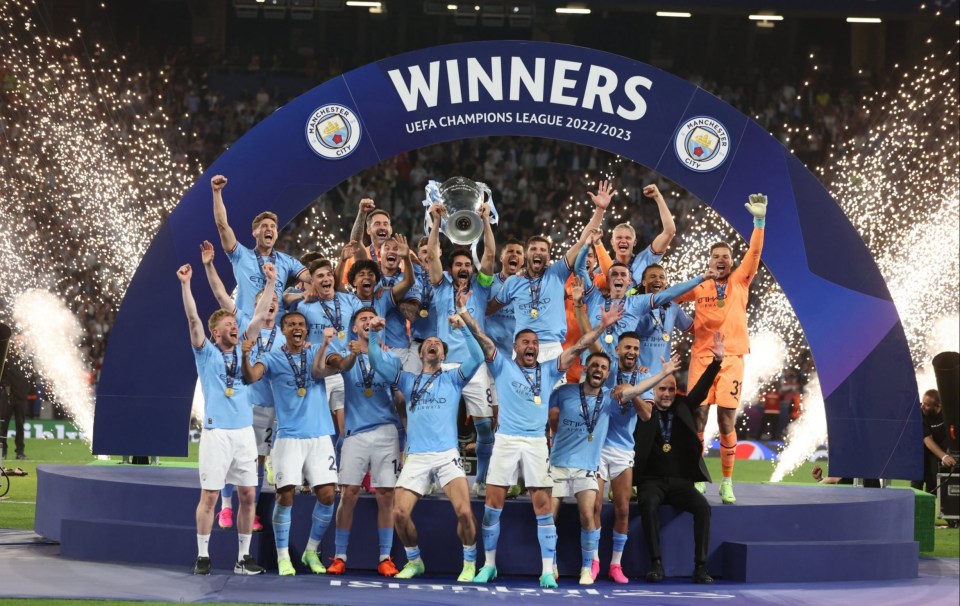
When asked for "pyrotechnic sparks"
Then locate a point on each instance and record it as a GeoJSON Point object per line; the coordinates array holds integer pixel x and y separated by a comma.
{"type": "Point", "coordinates": [52, 335]}
{"type": "Point", "coordinates": [85, 175]}
{"type": "Point", "coordinates": [805, 434]}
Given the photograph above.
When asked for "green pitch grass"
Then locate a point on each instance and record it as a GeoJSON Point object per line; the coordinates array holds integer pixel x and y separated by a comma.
{"type": "Point", "coordinates": [18, 507]}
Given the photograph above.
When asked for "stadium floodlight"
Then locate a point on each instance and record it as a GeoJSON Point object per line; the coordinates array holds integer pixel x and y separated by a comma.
{"type": "Point", "coordinates": [573, 10]}
{"type": "Point", "coordinates": [765, 17]}
{"type": "Point", "coordinates": [674, 14]}
{"type": "Point", "coordinates": [364, 4]}
{"type": "Point", "coordinates": [864, 20]}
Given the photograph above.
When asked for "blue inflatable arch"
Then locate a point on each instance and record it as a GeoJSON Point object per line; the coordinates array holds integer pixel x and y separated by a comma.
{"type": "Point", "coordinates": [538, 90]}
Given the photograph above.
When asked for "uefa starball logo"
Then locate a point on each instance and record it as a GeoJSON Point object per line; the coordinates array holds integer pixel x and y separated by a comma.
{"type": "Point", "coordinates": [702, 144]}
{"type": "Point", "coordinates": [333, 131]}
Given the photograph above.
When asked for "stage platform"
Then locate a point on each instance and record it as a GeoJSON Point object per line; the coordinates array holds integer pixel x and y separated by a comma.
{"type": "Point", "coordinates": [774, 533]}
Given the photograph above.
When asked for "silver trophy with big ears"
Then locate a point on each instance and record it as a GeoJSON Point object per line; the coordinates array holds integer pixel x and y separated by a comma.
{"type": "Point", "coordinates": [462, 198]}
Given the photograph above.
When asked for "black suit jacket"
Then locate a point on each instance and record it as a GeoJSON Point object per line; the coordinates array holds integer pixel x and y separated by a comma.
{"type": "Point", "coordinates": [686, 444]}
{"type": "Point", "coordinates": [15, 378]}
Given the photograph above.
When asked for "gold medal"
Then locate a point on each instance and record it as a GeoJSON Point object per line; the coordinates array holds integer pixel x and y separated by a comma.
{"type": "Point", "coordinates": [368, 391]}
{"type": "Point", "coordinates": [537, 400]}
{"type": "Point", "coordinates": [341, 335]}
{"type": "Point", "coordinates": [424, 313]}
{"type": "Point", "coordinates": [589, 437]}
{"type": "Point", "coordinates": [302, 391]}
{"type": "Point", "coordinates": [229, 392]}
{"type": "Point", "coordinates": [667, 447]}
{"type": "Point", "coordinates": [608, 338]}
{"type": "Point", "coordinates": [666, 336]}
{"type": "Point", "coordinates": [721, 302]}
{"type": "Point", "coordinates": [534, 314]}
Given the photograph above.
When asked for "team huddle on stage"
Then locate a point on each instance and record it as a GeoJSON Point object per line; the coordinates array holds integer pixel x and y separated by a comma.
{"type": "Point", "coordinates": [565, 367]}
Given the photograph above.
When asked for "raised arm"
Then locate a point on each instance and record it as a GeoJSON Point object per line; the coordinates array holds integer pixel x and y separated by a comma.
{"type": "Point", "coordinates": [197, 337]}
{"type": "Point", "coordinates": [251, 373]}
{"type": "Point", "coordinates": [360, 224]}
{"type": "Point", "coordinates": [580, 312]}
{"type": "Point", "coordinates": [345, 363]}
{"type": "Point", "coordinates": [624, 391]}
{"type": "Point", "coordinates": [386, 368]}
{"type": "Point", "coordinates": [434, 267]}
{"type": "Point", "coordinates": [757, 206]}
{"type": "Point", "coordinates": [213, 278]}
{"type": "Point", "coordinates": [601, 200]}
{"type": "Point", "coordinates": [339, 274]}
{"type": "Point", "coordinates": [663, 239]}
{"type": "Point", "coordinates": [475, 360]}
{"type": "Point", "coordinates": [484, 342]}
{"type": "Point", "coordinates": [488, 262]}
{"type": "Point", "coordinates": [320, 368]}
{"type": "Point", "coordinates": [698, 394]}
{"type": "Point", "coordinates": [607, 318]}
{"type": "Point", "coordinates": [227, 238]}
{"type": "Point", "coordinates": [678, 290]}
{"type": "Point", "coordinates": [401, 288]}
{"type": "Point", "coordinates": [263, 305]}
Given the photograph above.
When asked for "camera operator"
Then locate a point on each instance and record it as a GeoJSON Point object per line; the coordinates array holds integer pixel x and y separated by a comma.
{"type": "Point", "coordinates": [934, 441]}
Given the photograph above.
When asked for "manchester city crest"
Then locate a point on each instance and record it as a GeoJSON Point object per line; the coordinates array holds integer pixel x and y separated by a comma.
{"type": "Point", "coordinates": [333, 131]}
{"type": "Point", "coordinates": [702, 144]}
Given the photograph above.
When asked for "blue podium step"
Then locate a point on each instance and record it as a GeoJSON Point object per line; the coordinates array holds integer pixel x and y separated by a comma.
{"type": "Point", "coordinates": [821, 561]}
{"type": "Point", "coordinates": [100, 540]}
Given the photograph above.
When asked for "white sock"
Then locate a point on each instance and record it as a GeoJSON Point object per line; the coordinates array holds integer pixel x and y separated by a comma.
{"type": "Point", "coordinates": [547, 565]}
{"type": "Point", "coordinates": [203, 545]}
{"type": "Point", "coordinates": [728, 480]}
{"type": "Point", "coordinates": [312, 545]}
{"type": "Point", "coordinates": [490, 556]}
{"type": "Point", "coordinates": [283, 553]}
{"type": "Point", "coordinates": [343, 556]}
{"type": "Point", "coordinates": [244, 545]}
{"type": "Point", "coordinates": [226, 503]}
{"type": "Point", "coordinates": [615, 557]}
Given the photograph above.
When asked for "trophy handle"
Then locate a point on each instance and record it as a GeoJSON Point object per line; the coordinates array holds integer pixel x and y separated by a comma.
{"type": "Point", "coordinates": [488, 199]}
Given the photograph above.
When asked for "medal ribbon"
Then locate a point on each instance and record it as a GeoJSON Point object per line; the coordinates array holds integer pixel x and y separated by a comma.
{"type": "Point", "coordinates": [373, 253]}
{"type": "Point", "coordinates": [231, 367]}
{"type": "Point", "coordinates": [260, 262]}
{"type": "Point", "coordinates": [337, 321]}
{"type": "Point", "coordinates": [588, 419]}
{"type": "Point", "coordinates": [534, 385]}
{"type": "Point", "coordinates": [632, 381]}
{"type": "Point", "coordinates": [300, 376]}
{"type": "Point", "coordinates": [416, 392]}
{"type": "Point", "coordinates": [260, 348]}
{"type": "Point", "coordinates": [721, 290]}
{"type": "Point", "coordinates": [535, 292]}
{"type": "Point", "coordinates": [364, 375]}
{"type": "Point", "coordinates": [607, 302]}
{"type": "Point", "coordinates": [658, 319]}
{"type": "Point", "coordinates": [665, 428]}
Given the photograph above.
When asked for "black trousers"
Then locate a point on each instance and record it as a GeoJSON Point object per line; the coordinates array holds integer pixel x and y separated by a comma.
{"type": "Point", "coordinates": [12, 405]}
{"type": "Point", "coordinates": [681, 493]}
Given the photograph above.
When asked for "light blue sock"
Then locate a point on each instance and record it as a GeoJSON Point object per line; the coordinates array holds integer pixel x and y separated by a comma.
{"type": "Point", "coordinates": [491, 534]}
{"type": "Point", "coordinates": [281, 525]}
{"type": "Point", "coordinates": [385, 540]}
{"type": "Point", "coordinates": [588, 546]}
{"type": "Point", "coordinates": [470, 553]}
{"type": "Point", "coordinates": [547, 535]}
{"type": "Point", "coordinates": [322, 514]}
{"type": "Point", "coordinates": [484, 429]}
{"type": "Point", "coordinates": [619, 541]}
{"type": "Point", "coordinates": [342, 540]}
{"type": "Point", "coordinates": [226, 496]}
{"type": "Point", "coordinates": [413, 553]}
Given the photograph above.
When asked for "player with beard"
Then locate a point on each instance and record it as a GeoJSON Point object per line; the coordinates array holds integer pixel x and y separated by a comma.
{"type": "Point", "coordinates": [573, 329]}
{"type": "Point", "coordinates": [228, 448]}
{"type": "Point", "coordinates": [248, 264]}
{"type": "Point", "coordinates": [538, 291]}
{"type": "Point", "coordinates": [302, 449]}
{"type": "Point", "coordinates": [624, 239]}
{"type": "Point", "coordinates": [669, 460]}
{"type": "Point", "coordinates": [261, 398]}
{"type": "Point", "coordinates": [499, 326]}
{"type": "Point", "coordinates": [374, 223]}
{"type": "Point", "coordinates": [434, 398]}
{"type": "Point", "coordinates": [580, 416]}
{"type": "Point", "coordinates": [634, 307]}
{"type": "Point", "coordinates": [523, 386]}
{"type": "Point", "coordinates": [478, 394]}
{"type": "Point", "coordinates": [393, 271]}
{"type": "Point", "coordinates": [371, 444]}
{"type": "Point", "coordinates": [721, 305]}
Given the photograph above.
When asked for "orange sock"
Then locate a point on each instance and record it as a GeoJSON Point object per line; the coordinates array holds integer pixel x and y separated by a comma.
{"type": "Point", "coordinates": [728, 453]}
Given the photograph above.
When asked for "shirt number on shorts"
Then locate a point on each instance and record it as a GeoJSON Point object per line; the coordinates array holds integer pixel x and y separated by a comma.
{"type": "Point", "coordinates": [736, 389]}
{"type": "Point", "coordinates": [397, 467]}
{"type": "Point", "coordinates": [268, 437]}
{"type": "Point", "coordinates": [333, 463]}
{"type": "Point", "coordinates": [458, 462]}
